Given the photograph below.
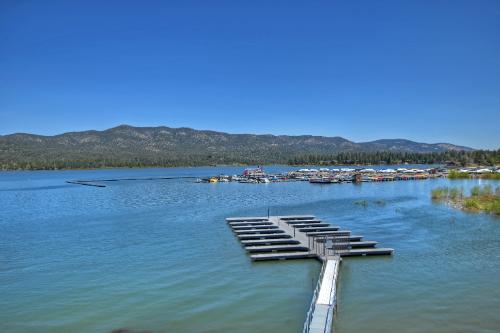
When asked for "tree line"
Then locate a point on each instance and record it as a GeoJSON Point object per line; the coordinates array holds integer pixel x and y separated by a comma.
{"type": "Point", "coordinates": [457, 158]}
{"type": "Point", "coordinates": [57, 161]}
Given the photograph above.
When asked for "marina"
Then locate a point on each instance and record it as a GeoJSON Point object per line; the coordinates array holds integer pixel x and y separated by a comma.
{"type": "Point", "coordinates": [329, 175]}
{"type": "Point", "coordinates": [305, 237]}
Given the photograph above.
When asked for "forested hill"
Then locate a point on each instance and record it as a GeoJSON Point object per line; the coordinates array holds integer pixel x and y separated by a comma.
{"type": "Point", "coordinates": [163, 146]}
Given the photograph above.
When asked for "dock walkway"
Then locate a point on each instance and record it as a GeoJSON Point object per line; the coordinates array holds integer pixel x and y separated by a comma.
{"type": "Point", "coordinates": [322, 309]}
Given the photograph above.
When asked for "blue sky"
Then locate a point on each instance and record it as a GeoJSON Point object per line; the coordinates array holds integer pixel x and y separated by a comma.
{"type": "Point", "coordinates": [423, 70]}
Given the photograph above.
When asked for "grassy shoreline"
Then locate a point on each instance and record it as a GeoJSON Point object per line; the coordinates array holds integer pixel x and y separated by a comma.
{"type": "Point", "coordinates": [481, 198]}
{"type": "Point", "coordinates": [455, 174]}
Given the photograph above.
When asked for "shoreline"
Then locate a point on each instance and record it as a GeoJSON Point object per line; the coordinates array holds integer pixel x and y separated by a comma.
{"type": "Point", "coordinates": [482, 199]}
{"type": "Point", "coordinates": [240, 165]}
{"type": "Point", "coordinates": [215, 166]}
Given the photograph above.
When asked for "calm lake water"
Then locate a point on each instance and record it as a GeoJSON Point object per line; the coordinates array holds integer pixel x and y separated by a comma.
{"type": "Point", "coordinates": [157, 255]}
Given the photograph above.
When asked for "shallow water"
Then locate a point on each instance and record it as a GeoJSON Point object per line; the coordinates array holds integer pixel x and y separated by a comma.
{"type": "Point", "coordinates": [157, 255]}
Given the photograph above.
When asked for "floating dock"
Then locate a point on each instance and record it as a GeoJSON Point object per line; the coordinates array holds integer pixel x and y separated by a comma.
{"type": "Point", "coordinates": [305, 237]}
{"type": "Point", "coordinates": [298, 237]}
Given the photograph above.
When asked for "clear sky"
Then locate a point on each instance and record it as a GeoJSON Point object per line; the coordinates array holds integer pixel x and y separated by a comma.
{"type": "Point", "coordinates": [423, 70]}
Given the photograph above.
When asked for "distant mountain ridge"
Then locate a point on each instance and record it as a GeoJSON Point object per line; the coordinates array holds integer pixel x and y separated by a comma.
{"type": "Point", "coordinates": [181, 146]}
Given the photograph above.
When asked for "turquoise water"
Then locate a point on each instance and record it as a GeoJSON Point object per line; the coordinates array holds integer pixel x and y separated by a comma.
{"type": "Point", "coordinates": [158, 256]}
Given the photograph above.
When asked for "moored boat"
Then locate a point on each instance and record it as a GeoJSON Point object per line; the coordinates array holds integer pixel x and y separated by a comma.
{"type": "Point", "coordinates": [322, 180]}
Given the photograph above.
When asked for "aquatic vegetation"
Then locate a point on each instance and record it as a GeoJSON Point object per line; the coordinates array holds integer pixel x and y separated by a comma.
{"type": "Point", "coordinates": [454, 174]}
{"type": "Point", "coordinates": [475, 191]}
{"type": "Point", "coordinates": [363, 203]}
{"type": "Point", "coordinates": [439, 193]}
{"type": "Point", "coordinates": [481, 199]}
{"type": "Point", "coordinates": [492, 175]}
{"type": "Point", "coordinates": [456, 193]}
{"type": "Point", "coordinates": [471, 204]}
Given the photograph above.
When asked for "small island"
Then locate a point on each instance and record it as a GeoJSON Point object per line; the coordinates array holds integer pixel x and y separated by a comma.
{"type": "Point", "coordinates": [481, 198]}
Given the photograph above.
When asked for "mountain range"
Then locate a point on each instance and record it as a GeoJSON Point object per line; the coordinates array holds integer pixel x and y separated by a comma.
{"type": "Point", "coordinates": [185, 146]}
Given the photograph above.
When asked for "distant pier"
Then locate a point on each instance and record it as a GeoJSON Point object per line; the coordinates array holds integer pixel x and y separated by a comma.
{"type": "Point", "coordinates": [84, 183]}
{"type": "Point", "coordinates": [95, 182]}
{"type": "Point", "coordinates": [304, 237]}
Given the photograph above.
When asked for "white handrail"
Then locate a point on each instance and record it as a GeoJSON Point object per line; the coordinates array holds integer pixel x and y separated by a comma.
{"type": "Point", "coordinates": [312, 306]}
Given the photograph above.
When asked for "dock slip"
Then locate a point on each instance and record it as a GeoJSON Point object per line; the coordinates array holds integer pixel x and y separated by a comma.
{"type": "Point", "coordinates": [304, 237]}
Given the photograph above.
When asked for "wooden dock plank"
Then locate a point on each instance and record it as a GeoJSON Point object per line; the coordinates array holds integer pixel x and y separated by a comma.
{"type": "Point", "coordinates": [302, 221]}
{"type": "Point", "coordinates": [260, 231]}
{"type": "Point", "coordinates": [261, 236]}
{"type": "Point", "coordinates": [264, 227]}
{"type": "Point", "coordinates": [367, 252]}
{"type": "Point", "coordinates": [357, 244]}
{"type": "Point", "coordinates": [247, 219]}
{"type": "Point", "coordinates": [272, 248]}
{"type": "Point", "coordinates": [324, 233]}
{"type": "Point", "coordinates": [237, 224]}
{"type": "Point", "coordinates": [291, 241]}
{"type": "Point", "coordinates": [296, 217]}
{"type": "Point", "coordinates": [310, 225]}
{"type": "Point", "coordinates": [282, 256]}
{"type": "Point", "coordinates": [318, 229]}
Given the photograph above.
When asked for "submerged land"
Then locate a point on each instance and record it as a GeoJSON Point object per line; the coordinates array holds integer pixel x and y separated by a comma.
{"type": "Point", "coordinates": [128, 146]}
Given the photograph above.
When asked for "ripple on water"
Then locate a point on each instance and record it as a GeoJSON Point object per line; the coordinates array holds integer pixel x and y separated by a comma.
{"type": "Point", "coordinates": [159, 256]}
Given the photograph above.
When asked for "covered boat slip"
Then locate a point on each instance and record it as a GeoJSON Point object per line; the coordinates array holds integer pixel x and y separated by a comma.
{"type": "Point", "coordinates": [305, 237]}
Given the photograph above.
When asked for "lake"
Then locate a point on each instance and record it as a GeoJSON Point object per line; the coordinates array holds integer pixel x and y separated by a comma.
{"type": "Point", "coordinates": [158, 256]}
